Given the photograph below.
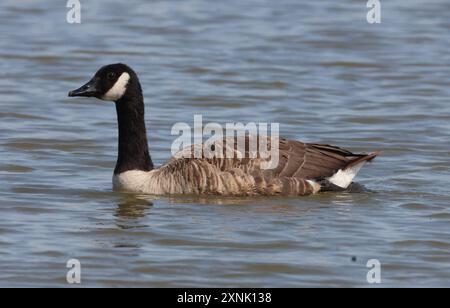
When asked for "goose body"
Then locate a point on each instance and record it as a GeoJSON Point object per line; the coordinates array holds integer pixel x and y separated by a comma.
{"type": "Point", "coordinates": [303, 169]}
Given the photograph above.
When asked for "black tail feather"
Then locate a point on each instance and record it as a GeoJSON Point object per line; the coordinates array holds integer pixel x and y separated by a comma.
{"type": "Point", "coordinates": [327, 186]}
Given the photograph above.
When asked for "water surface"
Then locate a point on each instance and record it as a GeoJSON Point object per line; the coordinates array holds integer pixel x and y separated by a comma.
{"type": "Point", "coordinates": [318, 68]}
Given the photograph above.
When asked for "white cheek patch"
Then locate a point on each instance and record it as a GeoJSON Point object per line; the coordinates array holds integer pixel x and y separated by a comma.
{"type": "Point", "coordinates": [119, 88]}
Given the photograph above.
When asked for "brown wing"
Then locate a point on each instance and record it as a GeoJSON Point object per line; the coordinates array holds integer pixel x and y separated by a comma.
{"type": "Point", "coordinates": [311, 161]}
{"type": "Point", "coordinates": [296, 159]}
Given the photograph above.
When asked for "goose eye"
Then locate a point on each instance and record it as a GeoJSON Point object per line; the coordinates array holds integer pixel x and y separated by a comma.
{"type": "Point", "coordinates": [111, 75]}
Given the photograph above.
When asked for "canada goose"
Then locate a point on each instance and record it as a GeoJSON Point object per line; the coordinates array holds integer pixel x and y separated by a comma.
{"type": "Point", "coordinates": [303, 169]}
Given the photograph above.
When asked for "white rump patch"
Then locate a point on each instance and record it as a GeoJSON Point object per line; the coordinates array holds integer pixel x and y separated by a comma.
{"type": "Point", "coordinates": [343, 178]}
{"type": "Point", "coordinates": [119, 88]}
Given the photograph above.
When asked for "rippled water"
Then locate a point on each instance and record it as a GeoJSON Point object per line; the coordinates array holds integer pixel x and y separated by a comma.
{"type": "Point", "coordinates": [319, 69]}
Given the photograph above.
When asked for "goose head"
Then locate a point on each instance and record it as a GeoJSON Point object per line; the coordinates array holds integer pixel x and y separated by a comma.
{"type": "Point", "coordinates": [120, 84]}
{"type": "Point", "coordinates": [111, 83]}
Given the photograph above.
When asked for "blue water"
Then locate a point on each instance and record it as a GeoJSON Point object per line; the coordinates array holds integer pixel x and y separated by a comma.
{"type": "Point", "coordinates": [318, 68]}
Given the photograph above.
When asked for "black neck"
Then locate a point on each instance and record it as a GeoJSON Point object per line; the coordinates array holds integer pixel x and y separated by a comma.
{"type": "Point", "coordinates": [133, 145]}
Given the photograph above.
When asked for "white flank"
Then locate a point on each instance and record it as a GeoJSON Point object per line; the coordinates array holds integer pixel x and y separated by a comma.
{"type": "Point", "coordinates": [119, 88]}
{"type": "Point", "coordinates": [343, 178]}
